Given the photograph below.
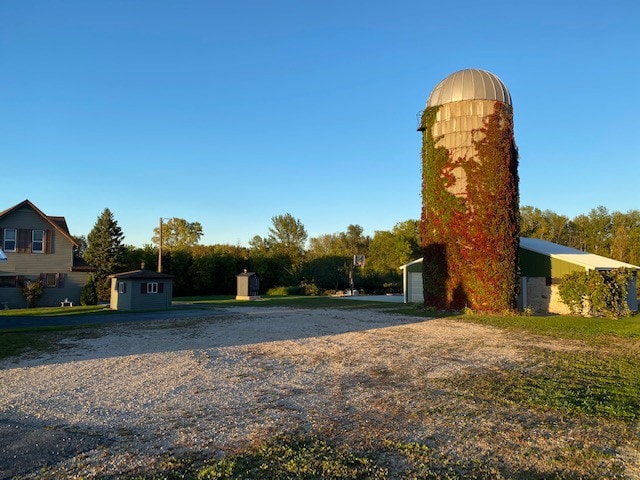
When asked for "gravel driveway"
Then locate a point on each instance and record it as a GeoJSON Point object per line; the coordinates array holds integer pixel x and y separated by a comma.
{"type": "Point", "coordinates": [136, 393]}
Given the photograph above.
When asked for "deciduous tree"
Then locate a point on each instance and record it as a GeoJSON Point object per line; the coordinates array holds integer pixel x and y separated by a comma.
{"type": "Point", "coordinates": [177, 233]}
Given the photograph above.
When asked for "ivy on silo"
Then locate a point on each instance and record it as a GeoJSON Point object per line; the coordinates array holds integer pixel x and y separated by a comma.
{"type": "Point", "coordinates": [471, 243]}
{"type": "Point", "coordinates": [440, 210]}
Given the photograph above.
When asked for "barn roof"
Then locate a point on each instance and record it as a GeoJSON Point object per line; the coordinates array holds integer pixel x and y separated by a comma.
{"type": "Point", "coordinates": [573, 255]}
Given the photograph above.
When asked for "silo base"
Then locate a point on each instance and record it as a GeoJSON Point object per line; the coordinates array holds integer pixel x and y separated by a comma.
{"type": "Point", "coordinates": [251, 298]}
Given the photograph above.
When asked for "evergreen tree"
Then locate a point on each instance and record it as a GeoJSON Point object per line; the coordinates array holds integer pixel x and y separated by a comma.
{"type": "Point", "coordinates": [105, 251]}
{"type": "Point", "coordinates": [89, 296]}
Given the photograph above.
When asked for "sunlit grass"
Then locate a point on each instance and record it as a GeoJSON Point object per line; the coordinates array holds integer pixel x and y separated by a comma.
{"type": "Point", "coordinates": [564, 326]}
{"type": "Point", "coordinates": [299, 301]}
{"type": "Point", "coordinates": [600, 376]}
{"type": "Point", "coordinates": [55, 311]}
{"type": "Point", "coordinates": [603, 384]}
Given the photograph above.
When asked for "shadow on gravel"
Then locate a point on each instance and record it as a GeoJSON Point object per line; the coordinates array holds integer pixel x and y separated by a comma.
{"type": "Point", "coordinates": [28, 446]}
{"type": "Point", "coordinates": [180, 330]}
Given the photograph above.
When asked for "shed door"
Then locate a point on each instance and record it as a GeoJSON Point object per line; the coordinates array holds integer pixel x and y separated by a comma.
{"type": "Point", "coordinates": [416, 295]}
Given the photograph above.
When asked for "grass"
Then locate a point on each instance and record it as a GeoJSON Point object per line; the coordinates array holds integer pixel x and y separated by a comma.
{"type": "Point", "coordinates": [564, 326]}
{"type": "Point", "coordinates": [299, 301]}
{"type": "Point", "coordinates": [294, 457]}
{"type": "Point", "coordinates": [599, 376]}
{"type": "Point", "coordinates": [605, 385]}
{"type": "Point", "coordinates": [55, 311]}
{"type": "Point", "coordinates": [308, 457]}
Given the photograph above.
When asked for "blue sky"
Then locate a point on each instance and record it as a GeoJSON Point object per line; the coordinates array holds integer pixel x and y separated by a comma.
{"type": "Point", "coordinates": [228, 113]}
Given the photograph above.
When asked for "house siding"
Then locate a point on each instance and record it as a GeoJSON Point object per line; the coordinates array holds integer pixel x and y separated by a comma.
{"type": "Point", "coordinates": [58, 259]}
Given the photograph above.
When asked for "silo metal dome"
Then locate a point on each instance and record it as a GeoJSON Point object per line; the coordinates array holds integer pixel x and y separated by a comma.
{"type": "Point", "coordinates": [469, 84]}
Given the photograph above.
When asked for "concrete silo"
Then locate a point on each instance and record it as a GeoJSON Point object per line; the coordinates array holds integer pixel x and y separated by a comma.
{"type": "Point", "coordinates": [470, 194]}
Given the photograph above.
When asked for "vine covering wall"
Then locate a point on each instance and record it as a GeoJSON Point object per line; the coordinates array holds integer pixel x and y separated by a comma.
{"type": "Point", "coordinates": [470, 241]}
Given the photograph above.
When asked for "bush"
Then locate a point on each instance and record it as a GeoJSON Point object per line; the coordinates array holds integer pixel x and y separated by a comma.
{"type": "Point", "coordinates": [310, 288]}
{"type": "Point", "coordinates": [597, 293]}
{"type": "Point", "coordinates": [32, 291]}
{"type": "Point", "coordinates": [283, 291]}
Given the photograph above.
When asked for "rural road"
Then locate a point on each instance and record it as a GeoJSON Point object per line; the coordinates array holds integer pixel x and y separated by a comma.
{"type": "Point", "coordinates": [179, 310]}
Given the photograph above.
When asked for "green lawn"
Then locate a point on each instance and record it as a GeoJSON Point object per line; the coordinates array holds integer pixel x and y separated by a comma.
{"type": "Point", "coordinates": [597, 373]}
{"type": "Point", "coordinates": [55, 311]}
{"type": "Point", "coordinates": [300, 301]}
{"type": "Point", "coordinates": [565, 326]}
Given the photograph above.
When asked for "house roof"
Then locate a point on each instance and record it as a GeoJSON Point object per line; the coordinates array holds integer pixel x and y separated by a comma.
{"type": "Point", "coordinates": [573, 255]}
{"type": "Point", "coordinates": [568, 254]}
{"type": "Point", "coordinates": [141, 275]}
{"type": "Point", "coordinates": [58, 223]}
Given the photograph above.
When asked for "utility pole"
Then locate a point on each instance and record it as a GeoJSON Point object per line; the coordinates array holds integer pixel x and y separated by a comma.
{"type": "Point", "coordinates": [160, 249]}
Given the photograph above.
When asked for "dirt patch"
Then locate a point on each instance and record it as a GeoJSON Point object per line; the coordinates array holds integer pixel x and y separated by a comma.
{"type": "Point", "coordinates": [204, 386]}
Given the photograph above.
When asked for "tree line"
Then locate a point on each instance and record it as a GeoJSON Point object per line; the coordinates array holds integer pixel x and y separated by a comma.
{"type": "Point", "coordinates": [287, 257]}
{"type": "Point", "coordinates": [610, 234]}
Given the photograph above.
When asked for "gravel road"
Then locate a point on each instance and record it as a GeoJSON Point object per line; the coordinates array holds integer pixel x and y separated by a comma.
{"type": "Point", "coordinates": [133, 395]}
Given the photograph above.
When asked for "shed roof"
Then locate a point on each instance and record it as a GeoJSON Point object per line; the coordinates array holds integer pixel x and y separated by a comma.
{"type": "Point", "coordinates": [141, 275]}
{"type": "Point", "coordinates": [573, 255]}
{"type": "Point", "coordinates": [246, 274]}
{"type": "Point", "coordinates": [419, 260]}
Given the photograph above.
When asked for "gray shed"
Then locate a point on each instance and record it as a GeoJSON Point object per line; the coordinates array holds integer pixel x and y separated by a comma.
{"type": "Point", "coordinates": [141, 290]}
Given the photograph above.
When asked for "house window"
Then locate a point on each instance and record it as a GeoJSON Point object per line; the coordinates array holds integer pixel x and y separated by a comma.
{"type": "Point", "coordinates": [51, 280]}
{"type": "Point", "coordinates": [152, 287]}
{"type": "Point", "coordinates": [37, 241]}
{"type": "Point", "coordinates": [122, 287]}
{"type": "Point", "coordinates": [10, 235]}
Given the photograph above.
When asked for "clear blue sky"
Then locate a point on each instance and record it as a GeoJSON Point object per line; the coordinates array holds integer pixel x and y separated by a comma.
{"type": "Point", "coordinates": [229, 113]}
